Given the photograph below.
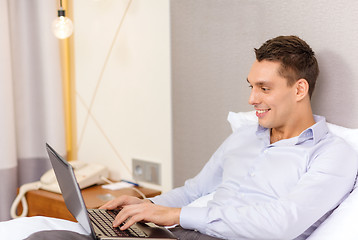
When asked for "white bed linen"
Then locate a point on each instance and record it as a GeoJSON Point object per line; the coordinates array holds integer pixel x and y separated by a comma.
{"type": "Point", "coordinates": [342, 224]}
{"type": "Point", "coordinates": [21, 228]}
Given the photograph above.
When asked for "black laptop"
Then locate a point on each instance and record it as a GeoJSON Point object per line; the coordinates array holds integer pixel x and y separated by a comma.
{"type": "Point", "coordinates": [97, 222]}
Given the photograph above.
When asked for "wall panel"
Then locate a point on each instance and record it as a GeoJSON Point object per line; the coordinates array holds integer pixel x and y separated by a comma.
{"type": "Point", "coordinates": [212, 45]}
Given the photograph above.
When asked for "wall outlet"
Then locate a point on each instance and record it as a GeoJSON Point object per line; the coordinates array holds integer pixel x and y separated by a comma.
{"type": "Point", "coordinates": [146, 171]}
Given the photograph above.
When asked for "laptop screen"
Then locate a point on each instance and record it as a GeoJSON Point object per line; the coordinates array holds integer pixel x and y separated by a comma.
{"type": "Point", "coordinates": [70, 189]}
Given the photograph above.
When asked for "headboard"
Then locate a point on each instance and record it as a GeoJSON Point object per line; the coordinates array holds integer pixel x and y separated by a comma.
{"type": "Point", "coordinates": [335, 96]}
{"type": "Point", "coordinates": [212, 46]}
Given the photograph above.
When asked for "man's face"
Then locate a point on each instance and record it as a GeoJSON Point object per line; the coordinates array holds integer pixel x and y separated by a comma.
{"type": "Point", "coordinates": [272, 98]}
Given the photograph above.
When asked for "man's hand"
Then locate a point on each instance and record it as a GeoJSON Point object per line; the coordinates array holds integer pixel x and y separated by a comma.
{"type": "Point", "coordinates": [122, 201]}
{"type": "Point", "coordinates": [135, 210]}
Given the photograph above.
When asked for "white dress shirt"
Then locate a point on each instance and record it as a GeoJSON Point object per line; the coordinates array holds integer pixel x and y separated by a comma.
{"type": "Point", "coordinates": [275, 191]}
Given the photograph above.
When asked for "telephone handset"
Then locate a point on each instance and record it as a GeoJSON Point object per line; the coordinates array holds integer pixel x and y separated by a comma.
{"type": "Point", "coordinates": [87, 174]}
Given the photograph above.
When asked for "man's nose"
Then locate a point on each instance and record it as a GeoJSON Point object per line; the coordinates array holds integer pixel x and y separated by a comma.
{"type": "Point", "coordinates": [253, 99]}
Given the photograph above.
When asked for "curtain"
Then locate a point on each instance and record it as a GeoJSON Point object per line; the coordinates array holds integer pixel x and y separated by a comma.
{"type": "Point", "coordinates": [31, 97]}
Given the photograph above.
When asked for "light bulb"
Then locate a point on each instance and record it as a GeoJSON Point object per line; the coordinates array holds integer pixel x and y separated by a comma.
{"type": "Point", "coordinates": [62, 26]}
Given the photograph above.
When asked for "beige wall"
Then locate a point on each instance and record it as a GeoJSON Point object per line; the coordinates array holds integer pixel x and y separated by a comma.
{"type": "Point", "coordinates": [133, 102]}
{"type": "Point", "coordinates": [179, 66]}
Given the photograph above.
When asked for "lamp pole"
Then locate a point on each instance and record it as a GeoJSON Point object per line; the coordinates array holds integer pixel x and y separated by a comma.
{"type": "Point", "coordinates": [68, 80]}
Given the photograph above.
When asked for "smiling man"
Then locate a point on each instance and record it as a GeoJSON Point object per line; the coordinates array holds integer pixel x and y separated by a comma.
{"type": "Point", "coordinates": [283, 108]}
{"type": "Point", "coordinates": [282, 80]}
{"type": "Point", "coordinates": [277, 180]}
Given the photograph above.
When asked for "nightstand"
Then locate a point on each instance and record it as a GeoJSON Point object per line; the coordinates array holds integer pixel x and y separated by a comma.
{"type": "Point", "coordinates": [44, 203]}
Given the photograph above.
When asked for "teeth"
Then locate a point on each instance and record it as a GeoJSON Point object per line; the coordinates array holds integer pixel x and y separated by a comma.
{"type": "Point", "coordinates": [261, 111]}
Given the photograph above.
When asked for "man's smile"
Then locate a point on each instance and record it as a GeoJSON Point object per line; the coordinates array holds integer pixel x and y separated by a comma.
{"type": "Point", "coordinates": [262, 112]}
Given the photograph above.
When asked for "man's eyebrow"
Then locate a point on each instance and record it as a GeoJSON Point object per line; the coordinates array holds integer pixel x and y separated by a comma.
{"type": "Point", "coordinates": [259, 83]}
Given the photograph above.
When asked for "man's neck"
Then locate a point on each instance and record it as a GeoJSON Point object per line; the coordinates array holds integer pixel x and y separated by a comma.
{"type": "Point", "coordinates": [295, 128]}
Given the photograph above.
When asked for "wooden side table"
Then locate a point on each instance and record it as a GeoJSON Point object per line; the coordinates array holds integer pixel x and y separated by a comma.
{"type": "Point", "coordinates": [49, 204]}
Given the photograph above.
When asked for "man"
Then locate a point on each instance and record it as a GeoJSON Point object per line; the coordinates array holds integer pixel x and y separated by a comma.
{"type": "Point", "coordinates": [277, 180]}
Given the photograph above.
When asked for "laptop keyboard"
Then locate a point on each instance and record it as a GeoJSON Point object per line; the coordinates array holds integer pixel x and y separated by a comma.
{"type": "Point", "coordinates": [104, 218]}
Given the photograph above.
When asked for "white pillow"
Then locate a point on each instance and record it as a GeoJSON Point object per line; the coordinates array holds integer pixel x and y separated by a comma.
{"type": "Point", "coordinates": [241, 119]}
{"type": "Point", "coordinates": [348, 134]}
{"type": "Point", "coordinates": [342, 223]}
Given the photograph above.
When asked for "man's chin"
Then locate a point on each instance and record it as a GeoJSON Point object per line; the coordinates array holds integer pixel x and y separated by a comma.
{"type": "Point", "coordinates": [264, 124]}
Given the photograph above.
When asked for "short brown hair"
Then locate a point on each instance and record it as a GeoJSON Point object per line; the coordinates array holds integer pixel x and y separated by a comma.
{"type": "Point", "coordinates": [296, 57]}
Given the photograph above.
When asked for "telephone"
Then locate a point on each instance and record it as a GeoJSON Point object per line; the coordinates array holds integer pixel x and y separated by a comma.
{"type": "Point", "coordinates": [87, 174]}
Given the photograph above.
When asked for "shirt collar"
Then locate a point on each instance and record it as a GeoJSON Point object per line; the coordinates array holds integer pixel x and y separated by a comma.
{"type": "Point", "coordinates": [315, 133]}
{"type": "Point", "coordinates": [319, 130]}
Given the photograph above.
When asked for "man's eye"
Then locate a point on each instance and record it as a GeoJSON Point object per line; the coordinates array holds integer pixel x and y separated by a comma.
{"type": "Point", "coordinates": [265, 89]}
{"type": "Point", "coordinates": [250, 86]}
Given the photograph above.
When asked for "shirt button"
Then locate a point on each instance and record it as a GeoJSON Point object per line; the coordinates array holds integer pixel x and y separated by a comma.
{"type": "Point", "coordinates": [252, 174]}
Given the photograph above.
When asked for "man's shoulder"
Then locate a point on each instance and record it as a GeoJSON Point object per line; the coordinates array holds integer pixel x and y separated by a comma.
{"type": "Point", "coordinates": [334, 146]}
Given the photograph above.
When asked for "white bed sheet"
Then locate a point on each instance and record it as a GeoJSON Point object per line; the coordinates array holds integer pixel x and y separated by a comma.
{"type": "Point", "coordinates": [21, 228]}
{"type": "Point", "coordinates": [342, 224]}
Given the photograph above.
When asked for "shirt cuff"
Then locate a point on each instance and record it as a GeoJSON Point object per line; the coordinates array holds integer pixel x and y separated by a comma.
{"type": "Point", "coordinates": [193, 218]}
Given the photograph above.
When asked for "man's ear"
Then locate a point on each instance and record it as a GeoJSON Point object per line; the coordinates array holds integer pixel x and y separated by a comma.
{"type": "Point", "coordinates": [302, 88]}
